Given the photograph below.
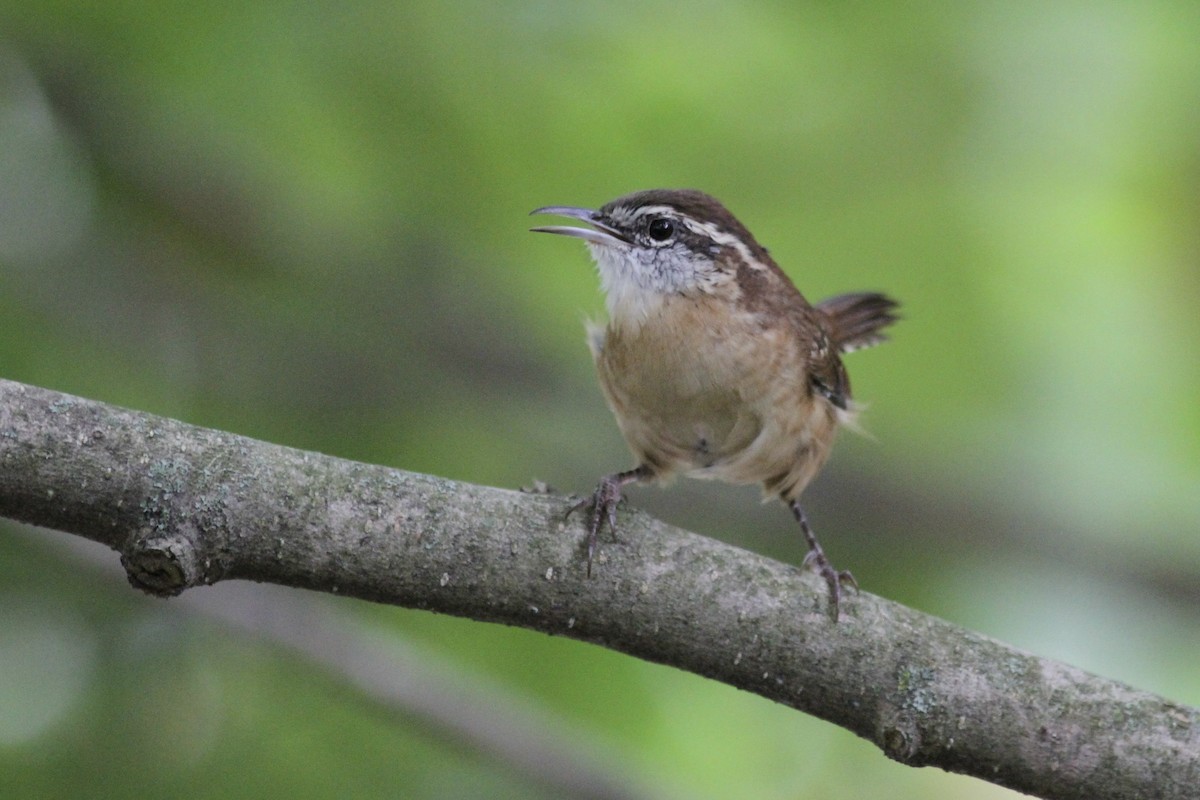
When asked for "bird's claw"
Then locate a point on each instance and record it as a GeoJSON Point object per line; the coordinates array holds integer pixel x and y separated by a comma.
{"type": "Point", "coordinates": [603, 504]}
{"type": "Point", "coordinates": [835, 579]}
{"type": "Point", "coordinates": [602, 507]}
{"type": "Point", "coordinates": [817, 560]}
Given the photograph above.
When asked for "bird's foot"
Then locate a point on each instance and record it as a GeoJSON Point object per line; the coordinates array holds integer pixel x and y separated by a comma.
{"type": "Point", "coordinates": [819, 562]}
{"type": "Point", "coordinates": [835, 579]}
{"type": "Point", "coordinates": [602, 506]}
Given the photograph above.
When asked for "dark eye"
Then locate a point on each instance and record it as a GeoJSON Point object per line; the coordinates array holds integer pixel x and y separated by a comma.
{"type": "Point", "coordinates": [661, 229]}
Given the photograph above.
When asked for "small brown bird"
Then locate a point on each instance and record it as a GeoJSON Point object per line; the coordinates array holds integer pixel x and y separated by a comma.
{"type": "Point", "coordinates": [712, 361]}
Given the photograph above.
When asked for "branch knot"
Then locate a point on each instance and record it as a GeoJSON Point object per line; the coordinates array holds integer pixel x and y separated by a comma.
{"type": "Point", "coordinates": [161, 565]}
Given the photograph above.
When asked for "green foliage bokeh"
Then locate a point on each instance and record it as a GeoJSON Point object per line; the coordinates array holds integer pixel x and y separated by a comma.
{"type": "Point", "coordinates": [307, 223]}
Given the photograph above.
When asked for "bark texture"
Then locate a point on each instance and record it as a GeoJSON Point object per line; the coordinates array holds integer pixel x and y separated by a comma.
{"type": "Point", "coordinates": [186, 506]}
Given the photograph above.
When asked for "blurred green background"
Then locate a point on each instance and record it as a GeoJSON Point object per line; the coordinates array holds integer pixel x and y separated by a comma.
{"type": "Point", "coordinates": [307, 223]}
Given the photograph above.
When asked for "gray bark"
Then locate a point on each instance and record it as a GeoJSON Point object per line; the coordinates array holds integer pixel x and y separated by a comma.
{"type": "Point", "coordinates": [187, 506]}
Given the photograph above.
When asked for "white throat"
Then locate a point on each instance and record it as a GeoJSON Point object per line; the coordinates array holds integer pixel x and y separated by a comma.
{"type": "Point", "coordinates": [632, 290]}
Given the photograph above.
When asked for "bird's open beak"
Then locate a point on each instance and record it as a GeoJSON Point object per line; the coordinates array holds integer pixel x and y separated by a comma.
{"type": "Point", "coordinates": [599, 233]}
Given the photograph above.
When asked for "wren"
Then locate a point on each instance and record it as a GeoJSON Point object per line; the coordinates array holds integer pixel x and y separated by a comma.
{"type": "Point", "coordinates": [712, 361]}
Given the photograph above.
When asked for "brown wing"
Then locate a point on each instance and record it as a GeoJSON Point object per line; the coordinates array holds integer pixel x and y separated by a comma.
{"type": "Point", "coordinates": [827, 373]}
{"type": "Point", "coordinates": [856, 320]}
{"type": "Point", "coordinates": [846, 323]}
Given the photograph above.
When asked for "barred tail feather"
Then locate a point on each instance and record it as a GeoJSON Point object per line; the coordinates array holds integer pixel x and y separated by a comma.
{"type": "Point", "coordinates": [857, 319]}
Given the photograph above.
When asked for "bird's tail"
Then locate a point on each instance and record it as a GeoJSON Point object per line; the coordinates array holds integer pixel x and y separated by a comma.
{"type": "Point", "coordinates": [858, 319]}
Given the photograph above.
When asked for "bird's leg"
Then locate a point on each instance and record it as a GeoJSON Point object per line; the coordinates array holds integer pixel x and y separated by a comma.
{"type": "Point", "coordinates": [602, 505]}
{"type": "Point", "coordinates": [820, 563]}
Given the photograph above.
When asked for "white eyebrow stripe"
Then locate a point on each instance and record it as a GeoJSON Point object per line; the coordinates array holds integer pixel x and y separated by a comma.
{"type": "Point", "coordinates": [707, 230]}
{"type": "Point", "coordinates": [724, 238]}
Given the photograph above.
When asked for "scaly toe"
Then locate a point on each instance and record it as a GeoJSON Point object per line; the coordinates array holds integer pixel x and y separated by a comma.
{"type": "Point", "coordinates": [845, 577]}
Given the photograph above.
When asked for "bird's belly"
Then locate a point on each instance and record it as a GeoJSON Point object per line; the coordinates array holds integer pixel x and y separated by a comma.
{"type": "Point", "coordinates": [715, 411]}
{"type": "Point", "coordinates": [685, 432]}
{"type": "Point", "coordinates": [785, 455]}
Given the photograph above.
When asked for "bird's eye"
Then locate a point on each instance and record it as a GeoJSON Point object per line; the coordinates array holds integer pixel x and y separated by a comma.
{"type": "Point", "coordinates": [661, 229]}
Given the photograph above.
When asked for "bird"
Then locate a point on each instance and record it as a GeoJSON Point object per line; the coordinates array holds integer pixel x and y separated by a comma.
{"type": "Point", "coordinates": [713, 363]}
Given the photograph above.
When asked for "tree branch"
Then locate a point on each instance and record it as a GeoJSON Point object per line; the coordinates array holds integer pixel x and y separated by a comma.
{"type": "Point", "coordinates": [401, 679]}
{"type": "Point", "coordinates": [186, 506]}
